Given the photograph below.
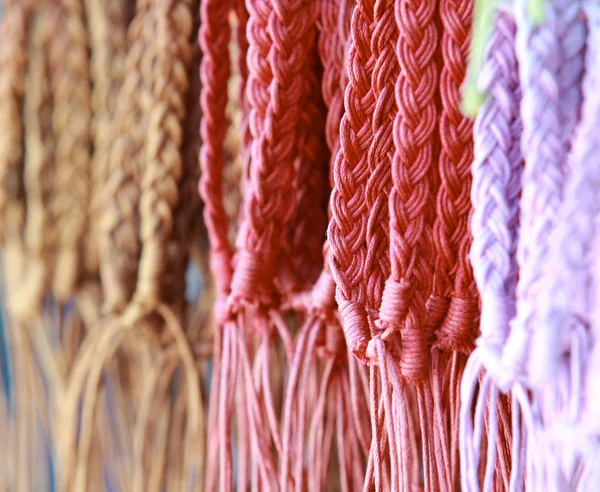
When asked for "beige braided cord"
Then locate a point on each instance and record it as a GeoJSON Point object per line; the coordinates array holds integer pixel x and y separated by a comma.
{"type": "Point", "coordinates": [163, 161]}
{"type": "Point", "coordinates": [71, 120]}
{"type": "Point", "coordinates": [108, 44]}
{"type": "Point", "coordinates": [187, 230]}
{"type": "Point", "coordinates": [13, 63]}
{"type": "Point", "coordinates": [119, 228]}
{"type": "Point", "coordinates": [39, 235]}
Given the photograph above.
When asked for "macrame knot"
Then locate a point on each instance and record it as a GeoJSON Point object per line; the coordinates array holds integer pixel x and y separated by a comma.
{"type": "Point", "coordinates": [394, 304]}
{"type": "Point", "coordinates": [356, 329]}
{"type": "Point", "coordinates": [414, 356]}
{"type": "Point", "coordinates": [459, 329]}
{"type": "Point", "coordinates": [375, 347]}
{"type": "Point", "coordinates": [252, 280]}
{"type": "Point", "coordinates": [496, 313]}
{"type": "Point", "coordinates": [437, 307]}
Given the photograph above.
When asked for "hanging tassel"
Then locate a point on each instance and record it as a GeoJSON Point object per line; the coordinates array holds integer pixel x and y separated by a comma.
{"type": "Point", "coordinates": [495, 193]}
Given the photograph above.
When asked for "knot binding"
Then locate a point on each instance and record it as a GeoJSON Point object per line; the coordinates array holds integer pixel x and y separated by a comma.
{"type": "Point", "coordinates": [459, 329]}
{"type": "Point", "coordinates": [394, 302]}
{"type": "Point", "coordinates": [252, 280]}
{"type": "Point", "coordinates": [356, 329]}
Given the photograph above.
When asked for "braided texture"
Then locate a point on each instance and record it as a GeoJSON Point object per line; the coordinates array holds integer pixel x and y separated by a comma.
{"type": "Point", "coordinates": [71, 120]}
{"type": "Point", "coordinates": [13, 63]}
{"type": "Point", "coordinates": [347, 227]}
{"type": "Point", "coordinates": [566, 298]}
{"type": "Point", "coordinates": [275, 94]}
{"type": "Point", "coordinates": [411, 202]}
{"type": "Point", "coordinates": [572, 34]}
{"type": "Point", "coordinates": [163, 163]}
{"type": "Point", "coordinates": [214, 37]}
{"type": "Point", "coordinates": [120, 245]}
{"type": "Point", "coordinates": [108, 44]}
{"type": "Point", "coordinates": [451, 229]}
{"type": "Point", "coordinates": [544, 150]}
{"type": "Point", "coordinates": [496, 172]}
{"type": "Point", "coordinates": [379, 155]}
{"type": "Point", "coordinates": [186, 216]}
{"type": "Point", "coordinates": [332, 49]}
{"type": "Point", "coordinates": [39, 233]}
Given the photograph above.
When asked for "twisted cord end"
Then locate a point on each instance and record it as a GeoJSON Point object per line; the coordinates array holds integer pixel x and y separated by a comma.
{"type": "Point", "coordinates": [459, 328]}
{"type": "Point", "coordinates": [355, 324]}
{"type": "Point", "coordinates": [414, 362]}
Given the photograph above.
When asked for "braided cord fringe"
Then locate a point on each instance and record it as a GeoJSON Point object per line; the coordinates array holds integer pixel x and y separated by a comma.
{"type": "Point", "coordinates": [273, 121]}
{"type": "Point", "coordinates": [187, 228]}
{"type": "Point", "coordinates": [411, 202]}
{"type": "Point", "coordinates": [39, 234]}
{"type": "Point", "coordinates": [214, 37]}
{"type": "Point", "coordinates": [320, 348]}
{"type": "Point", "coordinates": [496, 185]}
{"type": "Point", "coordinates": [71, 119]}
{"type": "Point", "coordinates": [120, 245]}
{"type": "Point", "coordinates": [571, 247]}
{"type": "Point", "coordinates": [453, 237]}
{"type": "Point", "coordinates": [566, 367]}
{"type": "Point", "coordinates": [13, 64]}
{"type": "Point", "coordinates": [347, 227]}
{"type": "Point", "coordinates": [108, 45]}
{"type": "Point", "coordinates": [497, 170]}
{"type": "Point", "coordinates": [163, 169]}
{"type": "Point", "coordinates": [553, 339]}
{"type": "Point", "coordinates": [544, 149]}
{"type": "Point", "coordinates": [379, 155]}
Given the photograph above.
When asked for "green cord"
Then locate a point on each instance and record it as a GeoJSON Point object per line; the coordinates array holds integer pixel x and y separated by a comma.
{"type": "Point", "coordinates": [483, 23]}
{"type": "Point", "coordinates": [536, 9]}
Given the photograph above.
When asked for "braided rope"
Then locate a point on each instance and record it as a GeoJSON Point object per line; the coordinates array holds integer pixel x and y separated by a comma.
{"type": "Point", "coordinates": [565, 298]}
{"type": "Point", "coordinates": [71, 119]}
{"type": "Point", "coordinates": [237, 141]}
{"type": "Point", "coordinates": [13, 63]}
{"type": "Point", "coordinates": [347, 227]}
{"type": "Point", "coordinates": [379, 155]}
{"type": "Point", "coordinates": [572, 33]}
{"type": "Point", "coordinates": [497, 169]}
{"type": "Point", "coordinates": [270, 202]}
{"type": "Point", "coordinates": [120, 245]}
{"type": "Point", "coordinates": [188, 211]}
{"type": "Point", "coordinates": [411, 203]}
{"type": "Point", "coordinates": [108, 44]}
{"type": "Point", "coordinates": [214, 37]}
{"type": "Point", "coordinates": [163, 169]}
{"type": "Point", "coordinates": [39, 235]}
{"type": "Point", "coordinates": [451, 229]}
{"type": "Point", "coordinates": [496, 185]}
{"type": "Point", "coordinates": [544, 148]}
